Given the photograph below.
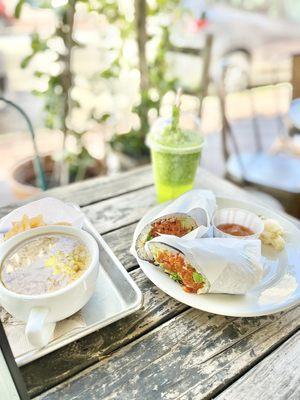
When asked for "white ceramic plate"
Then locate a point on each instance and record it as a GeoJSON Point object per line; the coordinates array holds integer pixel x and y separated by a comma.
{"type": "Point", "coordinates": [278, 290]}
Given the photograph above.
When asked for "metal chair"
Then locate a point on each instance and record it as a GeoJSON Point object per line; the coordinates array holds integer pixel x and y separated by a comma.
{"type": "Point", "coordinates": [275, 174]}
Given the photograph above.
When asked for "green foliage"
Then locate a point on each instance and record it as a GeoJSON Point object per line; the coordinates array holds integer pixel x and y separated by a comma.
{"type": "Point", "coordinates": [55, 110]}
{"type": "Point", "coordinates": [158, 78]}
{"type": "Point", "coordinates": [78, 164]}
{"type": "Point", "coordinates": [57, 94]}
{"type": "Point", "coordinates": [131, 144]}
{"type": "Point", "coordinates": [58, 103]}
{"type": "Point", "coordinates": [19, 7]}
{"type": "Point", "coordinates": [33, 3]}
{"type": "Point", "coordinates": [37, 45]}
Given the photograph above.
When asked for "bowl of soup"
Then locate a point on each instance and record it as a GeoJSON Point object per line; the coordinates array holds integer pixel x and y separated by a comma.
{"type": "Point", "coordinates": [236, 223]}
{"type": "Point", "coordinates": [46, 275]}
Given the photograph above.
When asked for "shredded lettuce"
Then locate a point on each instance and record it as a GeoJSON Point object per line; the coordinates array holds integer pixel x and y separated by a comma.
{"type": "Point", "coordinates": [198, 278]}
{"type": "Point", "coordinates": [149, 237]}
{"type": "Point", "coordinates": [175, 276]}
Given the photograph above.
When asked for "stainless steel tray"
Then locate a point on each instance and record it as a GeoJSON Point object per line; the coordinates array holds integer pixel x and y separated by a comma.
{"type": "Point", "coordinates": [116, 296]}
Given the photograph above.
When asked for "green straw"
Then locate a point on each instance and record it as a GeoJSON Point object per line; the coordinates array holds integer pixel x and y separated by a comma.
{"type": "Point", "coordinates": [176, 111]}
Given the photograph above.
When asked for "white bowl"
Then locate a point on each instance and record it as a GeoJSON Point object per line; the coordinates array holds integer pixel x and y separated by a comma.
{"type": "Point", "coordinates": [42, 311]}
{"type": "Point", "coordinates": [237, 216]}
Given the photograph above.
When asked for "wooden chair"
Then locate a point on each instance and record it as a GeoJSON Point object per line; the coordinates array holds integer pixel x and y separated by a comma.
{"type": "Point", "coordinates": [275, 174]}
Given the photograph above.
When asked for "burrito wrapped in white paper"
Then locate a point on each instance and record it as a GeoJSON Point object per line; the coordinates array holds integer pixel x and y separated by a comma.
{"type": "Point", "coordinates": [189, 214]}
{"type": "Point", "coordinates": [209, 265]}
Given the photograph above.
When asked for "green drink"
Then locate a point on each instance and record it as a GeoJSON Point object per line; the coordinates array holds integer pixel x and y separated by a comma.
{"type": "Point", "coordinates": [175, 156]}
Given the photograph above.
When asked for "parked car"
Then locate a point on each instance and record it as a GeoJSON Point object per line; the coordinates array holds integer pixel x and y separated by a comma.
{"type": "Point", "coordinates": [257, 37]}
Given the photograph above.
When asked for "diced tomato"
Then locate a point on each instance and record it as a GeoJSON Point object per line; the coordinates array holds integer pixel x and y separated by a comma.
{"type": "Point", "coordinates": [169, 226]}
{"type": "Point", "coordinates": [176, 263]}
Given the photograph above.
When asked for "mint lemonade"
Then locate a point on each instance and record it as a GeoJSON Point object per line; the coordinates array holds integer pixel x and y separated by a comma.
{"type": "Point", "coordinates": [175, 154]}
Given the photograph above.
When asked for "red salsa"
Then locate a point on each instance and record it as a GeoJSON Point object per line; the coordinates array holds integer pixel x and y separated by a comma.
{"type": "Point", "coordinates": [235, 229]}
{"type": "Point", "coordinates": [169, 226]}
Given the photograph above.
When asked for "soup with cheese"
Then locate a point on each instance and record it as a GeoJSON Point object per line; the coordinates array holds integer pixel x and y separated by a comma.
{"type": "Point", "coordinates": [44, 264]}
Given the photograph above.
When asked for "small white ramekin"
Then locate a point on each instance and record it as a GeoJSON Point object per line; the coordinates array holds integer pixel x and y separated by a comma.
{"type": "Point", "coordinates": [237, 216]}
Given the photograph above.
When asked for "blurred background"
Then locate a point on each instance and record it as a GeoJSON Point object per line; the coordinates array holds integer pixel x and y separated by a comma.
{"type": "Point", "coordinates": [91, 76]}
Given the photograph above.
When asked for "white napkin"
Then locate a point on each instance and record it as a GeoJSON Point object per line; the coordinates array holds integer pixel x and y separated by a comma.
{"type": "Point", "coordinates": [53, 210]}
{"type": "Point", "coordinates": [230, 265]}
{"type": "Point", "coordinates": [199, 204]}
{"type": "Point", "coordinates": [14, 330]}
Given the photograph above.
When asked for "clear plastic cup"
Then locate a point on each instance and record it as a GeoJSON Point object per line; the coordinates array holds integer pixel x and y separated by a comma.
{"type": "Point", "coordinates": [175, 158]}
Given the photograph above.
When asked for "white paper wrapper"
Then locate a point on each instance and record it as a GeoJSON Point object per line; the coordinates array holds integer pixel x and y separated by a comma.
{"type": "Point", "coordinates": [230, 265]}
{"type": "Point", "coordinates": [199, 204]}
{"type": "Point", "coordinates": [53, 210]}
{"type": "Point", "coordinates": [15, 331]}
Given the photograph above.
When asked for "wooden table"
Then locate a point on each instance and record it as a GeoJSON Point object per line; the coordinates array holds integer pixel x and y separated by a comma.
{"type": "Point", "coordinates": [166, 350]}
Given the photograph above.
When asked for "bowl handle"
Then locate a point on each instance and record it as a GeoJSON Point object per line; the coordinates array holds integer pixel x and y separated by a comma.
{"type": "Point", "coordinates": [38, 331]}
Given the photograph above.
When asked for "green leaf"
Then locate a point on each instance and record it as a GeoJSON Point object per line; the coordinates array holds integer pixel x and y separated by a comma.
{"type": "Point", "coordinates": [131, 143]}
{"type": "Point", "coordinates": [26, 61]}
{"type": "Point", "coordinates": [108, 73]}
{"type": "Point", "coordinates": [175, 117]}
{"type": "Point", "coordinates": [104, 117]}
{"type": "Point", "coordinates": [175, 276]}
{"type": "Point", "coordinates": [39, 74]}
{"type": "Point", "coordinates": [38, 44]}
{"type": "Point", "coordinates": [198, 278]}
{"type": "Point", "coordinates": [18, 8]}
{"type": "Point", "coordinates": [149, 237]}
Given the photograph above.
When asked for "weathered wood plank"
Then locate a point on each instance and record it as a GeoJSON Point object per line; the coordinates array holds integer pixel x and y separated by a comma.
{"type": "Point", "coordinates": [96, 189]}
{"type": "Point", "coordinates": [64, 363]}
{"type": "Point", "coordinates": [276, 377]}
{"type": "Point", "coordinates": [120, 241]}
{"type": "Point", "coordinates": [120, 211]}
{"type": "Point", "coordinates": [237, 359]}
{"type": "Point", "coordinates": [127, 207]}
{"type": "Point", "coordinates": [192, 356]}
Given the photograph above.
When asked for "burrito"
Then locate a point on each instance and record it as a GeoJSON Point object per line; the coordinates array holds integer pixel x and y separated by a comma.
{"type": "Point", "coordinates": [178, 266]}
{"type": "Point", "coordinates": [177, 224]}
{"type": "Point", "coordinates": [208, 265]}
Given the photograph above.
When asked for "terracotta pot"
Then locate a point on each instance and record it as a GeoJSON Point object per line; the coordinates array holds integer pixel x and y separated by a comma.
{"type": "Point", "coordinates": [23, 178]}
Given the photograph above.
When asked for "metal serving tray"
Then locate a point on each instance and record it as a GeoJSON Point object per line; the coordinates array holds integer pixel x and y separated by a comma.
{"type": "Point", "coordinates": [116, 296]}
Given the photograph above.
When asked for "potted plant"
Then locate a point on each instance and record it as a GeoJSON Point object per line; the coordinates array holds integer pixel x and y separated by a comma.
{"type": "Point", "coordinates": [59, 103]}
